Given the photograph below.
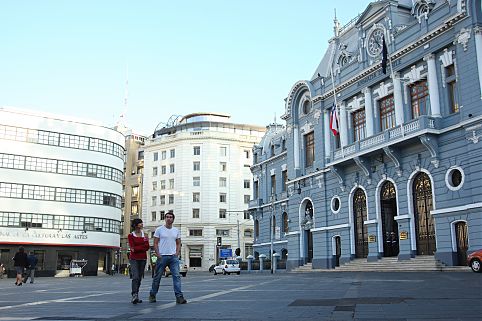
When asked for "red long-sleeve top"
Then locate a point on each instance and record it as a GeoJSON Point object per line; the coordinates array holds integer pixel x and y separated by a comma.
{"type": "Point", "coordinates": [139, 246]}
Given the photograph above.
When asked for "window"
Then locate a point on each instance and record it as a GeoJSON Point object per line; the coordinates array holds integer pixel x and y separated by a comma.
{"type": "Point", "coordinates": [222, 213]}
{"type": "Point", "coordinates": [154, 186]}
{"type": "Point", "coordinates": [306, 107]}
{"type": "Point", "coordinates": [163, 199]}
{"type": "Point", "coordinates": [309, 149]}
{"type": "Point", "coordinates": [256, 228]}
{"type": "Point", "coordinates": [134, 209]}
{"type": "Point", "coordinates": [196, 150]}
{"type": "Point", "coordinates": [154, 201]}
{"type": "Point", "coordinates": [154, 171]}
{"type": "Point", "coordinates": [135, 191]}
{"type": "Point", "coordinates": [283, 144]}
{"type": "Point", "coordinates": [284, 180]}
{"type": "Point", "coordinates": [285, 222]}
{"type": "Point", "coordinates": [153, 216]}
{"type": "Point", "coordinates": [171, 168]}
{"type": "Point", "coordinates": [222, 182]}
{"type": "Point", "coordinates": [196, 181]}
{"type": "Point", "coordinates": [196, 166]}
{"type": "Point", "coordinates": [246, 183]}
{"type": "Point", "coordinates": [420, 98]}
{"type": "Point", "coordinates": [246, 154]}
{"type": "Point", "coordinates": [196, 197]}
{"type": "Point", "coordinates": [162, 215]}
{"type": "Point", "coordinates": [156, 156]}
{"type": "Point", "coordinates": [163, 169]}
{"type": "Point", "coordinates": [273, 223]}
{"type": "Point", "coordinates": [220, 232]}
{"type": "Point", "coordinates": [451, 81]}
{"type": "Point", "coordinates": [195, 213]}
{"type": "Point", "coordinates": [171, 198]}
{"type": "Point", "coordinates": [140, 155]}
{"type": "Point", "coordinates": [163, 154]}
{"type": "Point", "coordinates": [387, 113]}
{"type": "Point", "coordinates": [222, 166]}
{"type": "Point", "coordinates": [273, 184]}
{"type": "Point", "coordinates": [223, 151]}
{"type": "Point", "coordinates": [359, 125]}
{"type": "Point", "coordinates": [247, 198]}
{"type": "Point", "coordinates": [195, 232]}
{"type": "Point", "coordinates": [246, 215]}
{"type": "Point", "coordinates": [255, 189]}
{"type": "Point", "coordinates": [163, 184]}
{"type": "Point", "coordinates": [222, 197]}
{"type": "Point", "coordinates": [172, 153]}
{"type": "Point", "coordinates": [171, 183]}
{"type": "Point", "coordinates": [272, 150]}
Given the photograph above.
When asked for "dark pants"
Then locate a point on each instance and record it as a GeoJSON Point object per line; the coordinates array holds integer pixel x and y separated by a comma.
{"type": "Point", "coordinates": [137, 272]}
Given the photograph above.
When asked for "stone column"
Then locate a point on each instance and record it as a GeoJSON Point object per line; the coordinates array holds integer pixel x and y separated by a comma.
{"type": "Point", "coordinates": [343, 126]}
{"type": "Point", "coordinates": [296, 146]}
{"type": "Point", "coordinates": [276, 257]}
{"type": "Point", "coordinates": [398, 100]}
{"type": "Point", "coordinates": [250, 259]}
{"type": "Point", "coordinates": [478, 50]}
{"type": "Point", "coordinates": [433, 85]}
{"type": "Point", "coordinates": [326, 116]}
{"type": "Point", "coordinates": [261, 261]}
{"type": "Point", "coordinates": [369, 112]}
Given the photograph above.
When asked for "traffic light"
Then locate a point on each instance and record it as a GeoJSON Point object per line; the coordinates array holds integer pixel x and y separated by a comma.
{"type": "Point", "coordinates": [219, 241]}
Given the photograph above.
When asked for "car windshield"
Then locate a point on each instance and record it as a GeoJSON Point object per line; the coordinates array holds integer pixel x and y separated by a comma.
{"type": "Point", "coordinates": [232, 262]}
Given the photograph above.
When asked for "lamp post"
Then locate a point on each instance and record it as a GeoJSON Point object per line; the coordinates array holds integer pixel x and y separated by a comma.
{"type": "Point", "coordinates": [237, 222]}
{"type": "Point", "coordinates": [271, 228]}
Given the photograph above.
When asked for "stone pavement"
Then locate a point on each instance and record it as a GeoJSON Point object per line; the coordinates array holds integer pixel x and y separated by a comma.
{"type": "Point", "coordinates": [364, 296]}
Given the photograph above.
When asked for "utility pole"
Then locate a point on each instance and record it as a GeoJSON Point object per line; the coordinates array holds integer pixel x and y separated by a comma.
{"type": "Point", "coordinates": [237, 221]}
{"type": "Point", "coordinates": [271, 231]}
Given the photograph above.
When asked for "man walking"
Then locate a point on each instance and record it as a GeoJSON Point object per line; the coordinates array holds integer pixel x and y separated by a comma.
{"type": "Point", "coordinates": [167, 245]}
{"type": "Point", "coordinates": [32, 264]}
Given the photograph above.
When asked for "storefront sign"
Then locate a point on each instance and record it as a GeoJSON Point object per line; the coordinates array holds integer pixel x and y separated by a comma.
{"type": "Point", "coordinates": [372, 238]}
{"type": "Point", "coordinates": [403, 235]}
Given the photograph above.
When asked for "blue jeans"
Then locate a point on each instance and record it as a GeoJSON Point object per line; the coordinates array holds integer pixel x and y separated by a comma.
{"type": "Point", "coordinates": [173, 262]}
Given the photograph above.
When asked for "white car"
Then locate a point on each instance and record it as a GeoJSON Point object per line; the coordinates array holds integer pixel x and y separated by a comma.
{"type": "Point", "coordinates": [182, 269]}
{"type": "Point", "coordinates": [227, 267]}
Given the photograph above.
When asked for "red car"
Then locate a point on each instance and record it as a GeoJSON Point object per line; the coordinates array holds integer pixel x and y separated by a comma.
{"type": "Point", "coordinates": [474, 260]}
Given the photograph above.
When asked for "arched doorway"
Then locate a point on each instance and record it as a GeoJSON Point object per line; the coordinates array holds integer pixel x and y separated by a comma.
{"type": "Point", "coordinates": [359, 217]}
{"type": "Point", "coordinates": [337, 241]}
{"type": "Point", "coordinates": [388, 204]}
{"type": "Point", "coordinates": [462, 243]}
{"type": "Point", "coordinates": [284, 254]}
{"type": "Point", "coordinates": [307, 224]}
{"type": "Point", "coordinates": [424, 223]}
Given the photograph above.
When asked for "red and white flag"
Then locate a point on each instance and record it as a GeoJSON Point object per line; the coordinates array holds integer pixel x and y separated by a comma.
{"type": "Point", "coordinates": [334, 123]}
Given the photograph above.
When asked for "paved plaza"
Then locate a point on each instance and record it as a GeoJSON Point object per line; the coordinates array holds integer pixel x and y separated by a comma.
{"type": "Point", "coordinates": [284, 296]}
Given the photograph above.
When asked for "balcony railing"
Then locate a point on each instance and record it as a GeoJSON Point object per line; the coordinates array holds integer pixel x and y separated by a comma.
{"type": "Point", "coordinates": [416, 125]}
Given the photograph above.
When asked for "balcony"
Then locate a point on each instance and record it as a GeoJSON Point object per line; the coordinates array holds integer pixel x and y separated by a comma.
{"type": "Point", "coordinates": [255, 203]}
{"type": "Point", "coordinates": [415, 127]}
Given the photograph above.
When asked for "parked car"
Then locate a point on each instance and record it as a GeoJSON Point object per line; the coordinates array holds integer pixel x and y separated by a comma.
{"type": "Point", "coordinates": [227, 267]}
{"type": "Point", "coordinates": [182, 269]}
{"type": "Point", "coordinates": [474, 260]}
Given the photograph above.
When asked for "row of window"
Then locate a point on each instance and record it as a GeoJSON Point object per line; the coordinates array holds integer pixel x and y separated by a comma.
{"type": "Point", "coordinates": [60, 139]}
{"type": "Point", "coordinates": [196, 151]}
{"type": "Point", "coordinates": [48, 165]}
{"type": "Point", "coordinates": [196, 198]}
{"type": "Point", "coordinates": [196, 181]}
{"type": "Point", "coordinates": [58, 222]}
{"type": "Point", "coordinates": [58, 194]}
{"type": "Point", "coordinates": [196, 166]}
{"type": "Point", "coordinates": [219, 232]}
{"type": "Point", "coordinates": [196, 213]}
{"type": "Point", "coordinates": [284, 226]}
{"type": "Point", "coordinates": [272, 187]}
{"type": "Point", "coordinates": [172, 154]}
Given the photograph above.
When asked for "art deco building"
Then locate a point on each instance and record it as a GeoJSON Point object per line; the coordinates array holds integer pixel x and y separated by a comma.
{"type": "Point", "coordinates": [403, 177]}
{"type": "Point", "coordinates": [60, 190]}
{"type": "Point", "coordinates": [199, 167]}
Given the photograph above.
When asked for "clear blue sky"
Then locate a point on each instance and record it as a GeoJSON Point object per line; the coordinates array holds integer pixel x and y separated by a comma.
{"type": "Point", "coordinates": [239, 57]}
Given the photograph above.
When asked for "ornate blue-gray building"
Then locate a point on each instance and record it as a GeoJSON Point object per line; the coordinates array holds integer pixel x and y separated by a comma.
{"type": "Point", "coordinates": [403, 177]}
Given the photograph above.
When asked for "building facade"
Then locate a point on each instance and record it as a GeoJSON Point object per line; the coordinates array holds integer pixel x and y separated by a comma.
{"type": "Point", "coordinates": [403, 176]}
{"type": "Point", "coordinates": [199, 167]}
{"type": "Point", "coordinates": [60, 190]}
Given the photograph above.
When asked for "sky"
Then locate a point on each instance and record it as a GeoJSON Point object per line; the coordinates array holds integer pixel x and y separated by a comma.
{"type": "Point", "coordinates": [75, 58]}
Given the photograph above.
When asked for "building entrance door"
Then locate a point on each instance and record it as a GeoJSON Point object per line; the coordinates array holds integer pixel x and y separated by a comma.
{"type": "Point", "coordinates": [388, 204]}
{"type": "Point", "coordinates": [424, 222]}
{"type": "Point", "coordinates": [337, 250]}
{"type": "Point", "coordinates": [359, 217]}
{"type": "Point", "coordinates": [462, 243]}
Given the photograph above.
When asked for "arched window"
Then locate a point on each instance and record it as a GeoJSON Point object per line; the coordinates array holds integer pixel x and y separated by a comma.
{"type": "Point", "coordinates": [285, 222]}
{"type": "Point", "coordinates": [306, 107]}
{"type": "Point", "coordinates": [274, 225]}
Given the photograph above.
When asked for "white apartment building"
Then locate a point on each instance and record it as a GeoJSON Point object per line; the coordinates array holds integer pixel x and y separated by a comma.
{"type": "Point", "coordinates": [199, 167]}
{"type": "Point", "coordinates": [60, 190]}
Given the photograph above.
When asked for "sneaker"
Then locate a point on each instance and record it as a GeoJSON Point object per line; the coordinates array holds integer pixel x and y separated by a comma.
{"type": "Point", "coordinates": [135, 298]}
{"type": "Point", "coordinates": [180, 300]}
{"type": "Point", "coordinates": [31, 282]}
{"type": "Point", "coordinates": [152, 298]}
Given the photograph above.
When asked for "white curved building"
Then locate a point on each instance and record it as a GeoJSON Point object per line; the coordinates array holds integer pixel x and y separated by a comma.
{"type": "Point", "coordinates": [60, 190]}
{"type": "Point", "coordinates": [199, 167]}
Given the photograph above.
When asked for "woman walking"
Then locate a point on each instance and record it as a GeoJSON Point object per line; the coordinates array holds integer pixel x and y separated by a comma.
{"type": "Point", "coordinates": [139, 244]}
{"type": "Point", "coordinates": [20, 263]}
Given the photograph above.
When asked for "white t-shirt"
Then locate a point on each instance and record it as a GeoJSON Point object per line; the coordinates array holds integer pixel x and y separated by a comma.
{"type": "Point", "coordinates": [167, 239]}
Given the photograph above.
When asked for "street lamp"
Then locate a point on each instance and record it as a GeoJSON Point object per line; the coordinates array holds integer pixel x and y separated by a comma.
{"type": "Point", "coordinates": [271, 228]}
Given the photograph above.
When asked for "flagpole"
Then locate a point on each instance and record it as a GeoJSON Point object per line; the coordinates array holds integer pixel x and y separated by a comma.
{"type": "Point", "coordinates": [392, 74]}
{"type": "Point", "coordinates": [336, 104]}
